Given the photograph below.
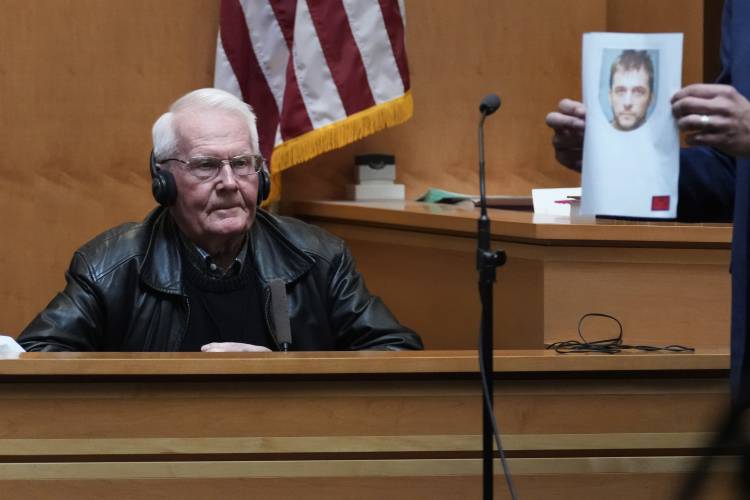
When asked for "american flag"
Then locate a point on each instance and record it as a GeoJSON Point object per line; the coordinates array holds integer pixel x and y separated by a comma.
{"type": "Point", "coordinates": [319, 74]}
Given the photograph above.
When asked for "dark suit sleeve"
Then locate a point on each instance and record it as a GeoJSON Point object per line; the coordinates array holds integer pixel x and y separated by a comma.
{"type": "Point", "coordinates": [706, 185]}
{"type": "Point", "coordinates": [361, 320]}
{"type": "Point", "coordinates": [707, 176]}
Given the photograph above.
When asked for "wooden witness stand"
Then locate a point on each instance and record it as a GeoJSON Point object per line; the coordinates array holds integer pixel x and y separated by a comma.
{"type": "Point", "coordinates": [365, 425]}
{"type": "Point", "coordinates": [373, 425]}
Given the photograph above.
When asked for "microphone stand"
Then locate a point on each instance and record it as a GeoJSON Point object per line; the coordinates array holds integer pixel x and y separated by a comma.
{"type": "Point", "coordinates": [487, 262]}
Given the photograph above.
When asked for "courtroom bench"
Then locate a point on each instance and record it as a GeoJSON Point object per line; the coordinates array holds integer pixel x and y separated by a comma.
{"type": "Point", "coordinates": [366, 425]}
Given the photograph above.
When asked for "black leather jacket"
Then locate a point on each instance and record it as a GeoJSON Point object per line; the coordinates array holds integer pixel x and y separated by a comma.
{"type": "Point", "coordinates": [124, 292]}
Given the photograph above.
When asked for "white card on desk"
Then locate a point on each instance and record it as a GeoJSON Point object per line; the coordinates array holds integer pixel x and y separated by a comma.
{"type": "Point", "coordinates": [8, 345]}
{"type": "Point", "coordinates": [546, 201]}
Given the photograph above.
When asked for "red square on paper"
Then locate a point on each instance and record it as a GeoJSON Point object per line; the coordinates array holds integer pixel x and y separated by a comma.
{"type": "Point", "coordinates": [659, 203]}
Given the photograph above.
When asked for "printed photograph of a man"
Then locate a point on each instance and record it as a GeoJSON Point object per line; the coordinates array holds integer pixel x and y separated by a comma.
{"type": "Point", "coordinates": [631, 89]}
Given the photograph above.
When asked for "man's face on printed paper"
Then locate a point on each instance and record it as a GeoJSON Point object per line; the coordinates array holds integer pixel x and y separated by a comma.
{"type": "Point", "coordinates": [630, 97]}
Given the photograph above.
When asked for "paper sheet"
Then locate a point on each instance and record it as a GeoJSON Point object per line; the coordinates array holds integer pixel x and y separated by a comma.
{"type": "Point", "coordinates": [9, 346]}
{"type": "Point", "coordinates": [631, 143]}
{"type": "Point", "coordinates": [546, 201]}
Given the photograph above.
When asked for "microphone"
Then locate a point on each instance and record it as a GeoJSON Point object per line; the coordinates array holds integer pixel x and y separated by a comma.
{"type": "Point", "coordinates": [489, 104]}
{"type": "Point", "coordinates": [280, 311]}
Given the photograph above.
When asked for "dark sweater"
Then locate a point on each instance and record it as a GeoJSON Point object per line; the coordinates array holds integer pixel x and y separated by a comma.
{"type": "Point", "coordinates": [223, 309]}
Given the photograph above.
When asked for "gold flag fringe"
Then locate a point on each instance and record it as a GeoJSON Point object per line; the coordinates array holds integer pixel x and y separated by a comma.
{"type": "Point", "coordinates": [336, 135]}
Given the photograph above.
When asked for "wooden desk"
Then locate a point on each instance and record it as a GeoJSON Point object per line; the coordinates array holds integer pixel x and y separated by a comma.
{"type": "Point", "coordinates": [354, 425]}
{"type": "Point", "coordinates": [666, 282]}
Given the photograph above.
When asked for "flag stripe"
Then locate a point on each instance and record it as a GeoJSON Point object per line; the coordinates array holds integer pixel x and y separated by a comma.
{"type": "Point", "coordinates": [265, 37]}
{"type": "Point", "coordinates": [368, 27]}
{"type": "Point", "coordinates": [366, 20]}
{"type": "Point", "coordinates": [314, 77]}
{"type": "Point", "coordinates": [342, 55]}
{"type": "Point", "coordinates": [294, 118]}
{"type": "Point", "coordinates": [224, 77]}
{"type": "Point", "coordinates": [394, 24]}
{"type": "Point", "coordinates": [255, 91]}
{"type": "Point", "coordinates": [285, 12]}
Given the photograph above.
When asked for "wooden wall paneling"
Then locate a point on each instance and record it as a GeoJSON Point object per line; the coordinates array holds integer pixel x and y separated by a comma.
{"type": "Point", "coordinates": [671, 16]}
{"type": "Point", "coordinates": [81, 83]}
{"type": "Point", "coordinates": [430, 284]}
{"type": "Point", "coordinates": [429, 281]}
{"type": "Point", "coordinates": [655, 478]}
{"type": "Point", "coordinates": [660, 296]}
{"type": "Point", "coordinates": [181, 409]}
{"type": "Point", "coordinates": [195, 364]}
{"type": "Point", "coordinates": [286, 446]}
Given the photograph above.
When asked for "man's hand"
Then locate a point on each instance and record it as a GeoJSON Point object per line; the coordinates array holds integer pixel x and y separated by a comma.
{"type": "Point", "coordinates": [569, 122]}
{"type": "Point", "coordinates": [233, 347]}
{"type": "Point", "coordinates": [714, 115]}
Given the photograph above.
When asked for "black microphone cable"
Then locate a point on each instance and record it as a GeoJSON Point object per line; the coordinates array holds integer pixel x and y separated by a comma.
{"type": "Point", "coordinates": [607, 346]}
{"type": "Point", "coordinates": [495, 427]}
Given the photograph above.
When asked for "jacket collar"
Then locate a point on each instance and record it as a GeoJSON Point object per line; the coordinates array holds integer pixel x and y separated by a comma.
{"type": "Point", "coordinates": [275, 256]}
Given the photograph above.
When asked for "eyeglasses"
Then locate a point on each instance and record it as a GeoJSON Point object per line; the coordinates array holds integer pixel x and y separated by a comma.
{"type": "Point", "coordinates": [206, 168]}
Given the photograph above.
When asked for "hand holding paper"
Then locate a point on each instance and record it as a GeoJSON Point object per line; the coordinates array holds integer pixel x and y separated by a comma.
{"type": "Point", "coordinates": [714, 115]}
{"type": "Point", "coordinates": [569, 123]}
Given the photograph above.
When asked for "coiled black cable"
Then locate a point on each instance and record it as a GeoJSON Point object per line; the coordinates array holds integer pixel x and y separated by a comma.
{"type": "Point", "coordinates": [607, 346]}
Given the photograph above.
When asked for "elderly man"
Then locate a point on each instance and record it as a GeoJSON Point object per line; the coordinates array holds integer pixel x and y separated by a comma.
{"type": "Point", "coordinates": [209, 270]}
{"type": "Point", "coordinates": [631, 85]}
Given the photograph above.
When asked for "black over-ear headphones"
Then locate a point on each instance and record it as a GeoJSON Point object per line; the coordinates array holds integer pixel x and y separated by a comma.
{"type": "Point", "coordinates": [264, 185]}
{"type": "Point", "coordinates": [164, 187]}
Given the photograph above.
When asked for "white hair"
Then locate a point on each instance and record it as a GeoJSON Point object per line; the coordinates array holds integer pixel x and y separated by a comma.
{"type": "Point", "coordinates": [164, 133]}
